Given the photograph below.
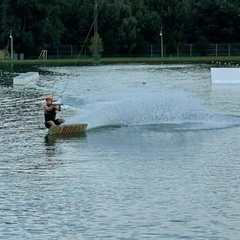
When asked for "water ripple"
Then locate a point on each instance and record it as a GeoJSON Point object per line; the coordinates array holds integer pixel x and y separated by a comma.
{"type": "Point", "coordinates": [149, 180]}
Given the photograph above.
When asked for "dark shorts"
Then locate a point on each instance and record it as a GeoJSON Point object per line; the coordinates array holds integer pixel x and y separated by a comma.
{"type": "Point", "coordinates": [55, 121]}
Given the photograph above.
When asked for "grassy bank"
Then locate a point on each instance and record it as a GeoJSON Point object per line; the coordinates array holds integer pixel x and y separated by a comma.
{"type": "Point", "coordinates": [123, 60]}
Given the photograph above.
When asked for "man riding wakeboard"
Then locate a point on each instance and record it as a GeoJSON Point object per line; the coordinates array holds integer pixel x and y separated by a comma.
{"type": "Point", "coordinates": [50, 113]}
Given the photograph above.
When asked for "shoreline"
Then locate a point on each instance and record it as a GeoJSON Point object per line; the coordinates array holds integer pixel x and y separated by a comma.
{"type": "Point", "coordinates": [126, 60]}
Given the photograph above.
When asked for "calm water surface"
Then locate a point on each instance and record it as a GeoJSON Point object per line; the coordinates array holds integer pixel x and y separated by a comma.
{"type": "Point", "coordinates": [159, 160]}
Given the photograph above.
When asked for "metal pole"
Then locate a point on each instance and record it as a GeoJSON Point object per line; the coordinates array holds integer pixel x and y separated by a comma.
{"type": "Point", "coordinates": [161, 35]}
{"type": "Point", "coordinates": [95, 29]}
{"type": "Point", "coordinates": [11, 37]}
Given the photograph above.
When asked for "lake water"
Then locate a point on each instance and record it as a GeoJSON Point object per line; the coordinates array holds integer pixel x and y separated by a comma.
{"type": "Point", "coordinates": [160, 158]}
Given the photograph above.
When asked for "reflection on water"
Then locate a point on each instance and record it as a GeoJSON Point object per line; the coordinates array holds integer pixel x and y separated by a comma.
{"type": "Point", "coordinates": [51, 140]}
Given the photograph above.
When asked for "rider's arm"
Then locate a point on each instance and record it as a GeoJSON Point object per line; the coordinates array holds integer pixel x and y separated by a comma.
{"type": "Point", "coordinates": [57, 107]}
{"type": "Point", "coordinates": [53, 106]}
{"type": "Point", "coordinates": [48, 108]}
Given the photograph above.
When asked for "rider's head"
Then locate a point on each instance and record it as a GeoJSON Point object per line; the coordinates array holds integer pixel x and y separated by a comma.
{"type": "Point", "coordinates": [49, 99]}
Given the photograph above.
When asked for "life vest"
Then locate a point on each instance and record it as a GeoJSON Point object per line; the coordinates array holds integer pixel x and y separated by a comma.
{"type": "Point", "coordinates": [50, 115]}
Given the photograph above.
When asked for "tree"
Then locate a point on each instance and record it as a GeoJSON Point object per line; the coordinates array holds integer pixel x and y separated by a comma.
{"type": "Point", "coordinates": [77, 18]}
{"type": "Point", "coordinates": [202, 45]}
{"type": "Point", "coordinates": [220, 18]}
{"type": "Point", "coordinates": [127, 27]}
{"type": "Point", "coordinates": [36, 24]}
{"type": "Point", "coordinates": [96, 46]}
{"type": "Point", "coordinates": [118, 27]}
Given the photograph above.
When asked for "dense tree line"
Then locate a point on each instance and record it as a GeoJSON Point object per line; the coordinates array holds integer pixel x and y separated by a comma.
{"type": "Point", "coordinates": [125, 26]}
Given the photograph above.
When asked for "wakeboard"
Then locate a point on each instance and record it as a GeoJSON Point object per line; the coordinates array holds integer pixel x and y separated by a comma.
{"type": "Point", "coordinates": [64, 129]}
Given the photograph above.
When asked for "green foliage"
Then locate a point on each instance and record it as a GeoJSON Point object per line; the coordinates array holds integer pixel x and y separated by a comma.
{"type": "Point", "coordinates": [127, 27]}
{"type": "Point", "coordinates": [202, 45]}
{"type": "Point", "coordinates": [172, 43]}
{"type": "Point", "coordinates": [36, 25]}
{"type": "Point", "coordinates": [96, 46]}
